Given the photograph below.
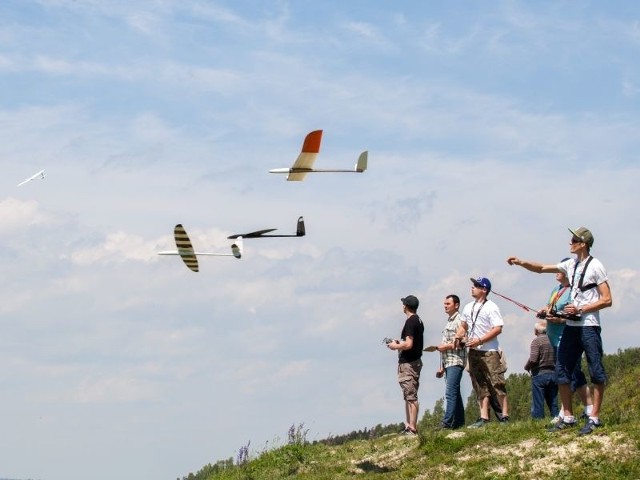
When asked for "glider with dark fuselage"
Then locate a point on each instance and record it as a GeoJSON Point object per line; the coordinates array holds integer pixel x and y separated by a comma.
{"type": "Point", "coordinates": [300, 232]}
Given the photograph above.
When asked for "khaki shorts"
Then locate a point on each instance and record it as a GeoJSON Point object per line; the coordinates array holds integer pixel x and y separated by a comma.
{"type": "Point", "coordinates": [485, 368]}
{"type": "Point", "coordinates": [409, 379]}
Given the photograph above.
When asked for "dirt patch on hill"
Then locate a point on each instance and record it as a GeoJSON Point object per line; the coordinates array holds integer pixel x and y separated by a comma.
{"type": "Point", "coordinates": [532, 458]}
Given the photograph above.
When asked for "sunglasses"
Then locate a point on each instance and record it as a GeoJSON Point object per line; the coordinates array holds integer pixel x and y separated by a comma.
{"type": "Point", "coordinates": [576, 240]}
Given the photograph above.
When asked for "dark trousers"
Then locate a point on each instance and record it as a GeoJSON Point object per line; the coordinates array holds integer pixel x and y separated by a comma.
{"type": "Point", "coordinates": [544, 390]}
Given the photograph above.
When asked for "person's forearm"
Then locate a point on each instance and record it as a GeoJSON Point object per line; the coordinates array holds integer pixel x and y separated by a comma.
{"type": "Point", "coordinates": [531, 266]}
{"type": "Point", "coordinates": [490, 335]}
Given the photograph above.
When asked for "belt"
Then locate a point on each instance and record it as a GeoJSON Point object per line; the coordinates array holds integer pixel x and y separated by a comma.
{"type": "Point", "coordinates": [540, 370]}
{"type": "Point", "coordinates": [481, 352]}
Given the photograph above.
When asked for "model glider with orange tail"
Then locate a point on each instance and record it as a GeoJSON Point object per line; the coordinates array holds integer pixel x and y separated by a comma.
{"type": "Point", "coordinates": [190, 256]}
{"type": "Point", "coordinates": [308, 155]}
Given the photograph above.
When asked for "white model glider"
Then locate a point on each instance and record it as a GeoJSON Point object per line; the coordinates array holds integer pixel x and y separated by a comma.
{"type": "Point", "coordinates": [304, 162]}
{"type": "Point", "coordinates": [300, 232]}
{"type": "Point", "coordinates": [40, 174]}
{"type": "Point", "coordinates": [189, 255]}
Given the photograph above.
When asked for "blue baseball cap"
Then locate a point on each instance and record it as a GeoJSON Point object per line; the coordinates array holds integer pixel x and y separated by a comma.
{"type": "Point", "coordinates": [483, 282]}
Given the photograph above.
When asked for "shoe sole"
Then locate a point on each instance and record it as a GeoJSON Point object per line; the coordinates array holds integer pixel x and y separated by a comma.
{"type": "Point", "coordinates": [560, 429]}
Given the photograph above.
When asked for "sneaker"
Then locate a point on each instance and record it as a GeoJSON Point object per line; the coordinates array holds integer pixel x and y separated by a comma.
{"type": "Point", "coordinates": [481, 422]}
{"type": "Point", "coordinates": [584, 416]}
{"type": "Point", "coordinates": [504, 419]}
{"type": "Point", "coordinates": [555, 420]}
{"type": "Point", "coordinates": [589, 427]}
{"type": "Point", "coordinates": [561, 426]}
{"type": "Point", "coordinates": [409, 433]}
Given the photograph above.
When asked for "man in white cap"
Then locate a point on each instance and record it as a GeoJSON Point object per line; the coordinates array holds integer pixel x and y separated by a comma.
{"type": "Point", "coordinates": [590, 293]}
{"type": "Point", "coordinates": [481, 325]}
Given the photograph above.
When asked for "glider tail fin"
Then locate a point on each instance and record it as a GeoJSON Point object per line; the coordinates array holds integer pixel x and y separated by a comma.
{"type": "Point", "coordinates": [361, 166]}
{"type": "Point", "coordinates": [237, 248]}
{"type": "Point", "coordinates": [300, 229]}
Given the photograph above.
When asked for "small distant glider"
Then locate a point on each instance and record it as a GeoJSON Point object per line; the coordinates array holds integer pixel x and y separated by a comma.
{"type": "Point", "coordinates": [300, 232]}
{"type": "Point", "coordinates": [40, 174]}
{"type": "Point", "coordinates": [308, 155]}
{"type": "Point", "coordinates": [189, 255]}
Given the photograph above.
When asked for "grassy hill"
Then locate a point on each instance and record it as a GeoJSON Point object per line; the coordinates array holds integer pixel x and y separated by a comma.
{"type": "Point", "coordinates": [520, 450]}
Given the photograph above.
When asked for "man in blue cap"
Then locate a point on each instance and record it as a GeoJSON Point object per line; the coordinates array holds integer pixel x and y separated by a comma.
{"type": "Point", "coordinates": [590, 293]}
{"type": "Point", "coordinates": [481, 325]}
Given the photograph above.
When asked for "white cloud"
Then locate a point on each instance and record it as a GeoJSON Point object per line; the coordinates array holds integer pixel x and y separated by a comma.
{"type": "Point", "coordinates": [18, 215]}
{"type": "Point", "coordinates": [117, 247]}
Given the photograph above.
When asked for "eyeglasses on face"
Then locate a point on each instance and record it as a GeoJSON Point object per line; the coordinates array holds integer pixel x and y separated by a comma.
{"type": "Point", "coordinates": [576, 240]}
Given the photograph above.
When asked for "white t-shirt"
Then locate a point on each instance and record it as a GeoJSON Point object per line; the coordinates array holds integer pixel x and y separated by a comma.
{"type": "Point", "coordinates": [481, 318]}
{"type": "Point", "coordinates": [595, 274]}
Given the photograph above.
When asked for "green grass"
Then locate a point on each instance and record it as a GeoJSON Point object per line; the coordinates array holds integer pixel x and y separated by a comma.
{"type": "Point", "coordinates": [518, 451]}
{"type": "Point", "coordinates": [522, 449]}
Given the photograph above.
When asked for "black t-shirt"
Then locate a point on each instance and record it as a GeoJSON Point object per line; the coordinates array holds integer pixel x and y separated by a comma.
{"type": "Point", "coordinates": [413, 327]}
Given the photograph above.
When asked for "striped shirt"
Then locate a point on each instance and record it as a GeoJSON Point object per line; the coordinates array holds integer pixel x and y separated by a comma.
{"type": "Point", "coordinates": [450, 358]}
{"type": "Point", "coordinates": [540, 356]}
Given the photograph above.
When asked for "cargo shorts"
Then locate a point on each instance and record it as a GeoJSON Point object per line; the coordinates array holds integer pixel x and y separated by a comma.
{"type": "Point", "coordinates": [409, 379]}
{"type": "Point", "coordinates": [487, 372]}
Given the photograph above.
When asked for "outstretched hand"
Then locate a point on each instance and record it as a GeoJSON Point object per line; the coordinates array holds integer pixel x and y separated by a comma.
{"type": "Point", "coordinates": [513, 260]}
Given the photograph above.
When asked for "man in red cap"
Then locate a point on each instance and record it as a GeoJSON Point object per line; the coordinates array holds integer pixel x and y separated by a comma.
{"type": "Point", "coordinates": [590, 293]}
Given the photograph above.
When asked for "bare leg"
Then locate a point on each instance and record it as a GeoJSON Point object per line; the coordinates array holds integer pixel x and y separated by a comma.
{"type": "Point", "coordinates": [585, 395]}
{"type": "Point", "coordinates": [484, 407]}
{"type": "Point", "coordinates": [598, 393]}
{"type": "Point", "coordinates": [407, 414]}
{"type": "Point", "coordinates": [504, 404]}
{"type": "Point", "coordinates": [412, 414]}
{"type": "Point", "coordinates": [565, 397]}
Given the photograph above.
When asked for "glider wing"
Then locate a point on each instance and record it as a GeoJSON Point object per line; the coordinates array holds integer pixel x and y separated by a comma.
{"type": "Point", "coordinates": [256, 234]}
{"type": "Point", "coordinates": [304, 162]}
{"type": "Point", "coordinates": [190, 256]}
{"type": "Point", "coordinates": [185, 248]}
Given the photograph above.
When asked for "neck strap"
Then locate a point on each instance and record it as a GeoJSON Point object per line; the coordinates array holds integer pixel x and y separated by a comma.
{"type": "Point", "coordinates": [584, 272]}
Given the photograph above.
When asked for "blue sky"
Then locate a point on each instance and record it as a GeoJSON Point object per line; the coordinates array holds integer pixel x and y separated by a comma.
{"type": "Point", "coordinates": [491, 127]}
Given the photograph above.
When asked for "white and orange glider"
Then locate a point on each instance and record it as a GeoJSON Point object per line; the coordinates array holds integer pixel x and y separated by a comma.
{"type": "Point", "coordinates": [189, 255]}
{"type": "Point", "coordinates": [304, 162]}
